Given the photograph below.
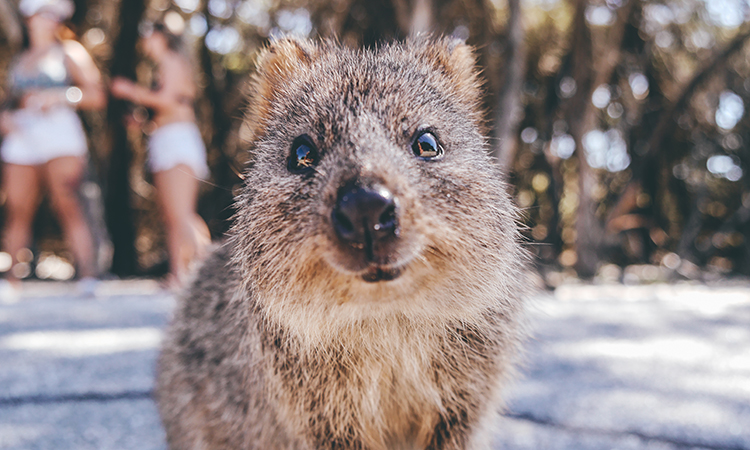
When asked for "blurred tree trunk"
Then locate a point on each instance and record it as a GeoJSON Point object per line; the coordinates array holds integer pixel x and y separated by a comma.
{"type": "Point", "coordinates": [415, 16]}
{"type": "Point", "coordinates": [79, 15]}
{"type": "Point", "coordinates": [588, 73]}
{"type": "Point", "coordinates": [216, 206]}
{"type": "Point", "coordinates": [551, 165]}
{"type": "Point", "coordinates": [646, 115]}
{"type": "Point", "coordinates": [119, 211]}
{"type": "Point", "coordinates": [692, 228]}
{"type": "Point", "coordinates": [366, 23]}
{"type": "Point", "coordinates": [579, 113]}
{"type": "Point", "coordinates": [508, 112]}
{"type": "Point", "coordinates": [10, 24]}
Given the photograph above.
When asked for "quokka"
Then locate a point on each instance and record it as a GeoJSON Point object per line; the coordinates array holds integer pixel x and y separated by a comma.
{"type": "Point", "coordinates": [370, 295]}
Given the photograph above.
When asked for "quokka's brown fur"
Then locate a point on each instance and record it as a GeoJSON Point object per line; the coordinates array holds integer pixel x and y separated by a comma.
{"type": "Point", "coordinates": [283, 342]}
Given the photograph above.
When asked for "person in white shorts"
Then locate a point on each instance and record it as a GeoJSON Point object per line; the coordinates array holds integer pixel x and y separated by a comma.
{"type": "Point", "coordinates": [177, 155]}
{"type": "Point", "coordinates": [43, 144]}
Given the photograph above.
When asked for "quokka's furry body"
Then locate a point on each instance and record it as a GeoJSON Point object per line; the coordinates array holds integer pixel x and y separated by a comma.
{"type": "Point", "coordinates": [283, 342]}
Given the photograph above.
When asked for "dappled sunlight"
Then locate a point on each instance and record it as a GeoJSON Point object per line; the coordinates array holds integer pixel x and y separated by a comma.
{"type": "Point", "coordinates": [683, 350]}
{"type": "Point", "coordinates": [83, 343]}
{"type": "Point", "coordinates": [223, 40]}
{"type": "Point", "coordinates": [616, 404]}
{"type": "Point", "coordinates": [15, 435]}
{"type": "Point", "coordinates": [730, 110]}
{"type": "Point", "coordinates": [706, 298]}
{"type": "Point", "coordinates": [667, 360]}
{"type": "Point", "coordinates": [53, 267]}
{"type": "Point", "coordinates": [606, 150]}
{"type": "Point", "coordinates": [725, 166]}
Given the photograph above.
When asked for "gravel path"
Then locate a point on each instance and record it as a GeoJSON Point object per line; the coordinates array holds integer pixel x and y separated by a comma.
{"type": "Point", "coordinates": [610, 367]}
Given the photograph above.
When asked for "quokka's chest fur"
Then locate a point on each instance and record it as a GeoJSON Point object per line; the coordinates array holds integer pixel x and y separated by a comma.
{"type": "Point", "coordinates": [387, 386]}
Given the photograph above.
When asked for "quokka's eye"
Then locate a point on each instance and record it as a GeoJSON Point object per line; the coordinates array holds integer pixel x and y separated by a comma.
{"type": "Point", "coordinates": [426, 146]}
{"type": "Point", "coordinates": [304, 156]}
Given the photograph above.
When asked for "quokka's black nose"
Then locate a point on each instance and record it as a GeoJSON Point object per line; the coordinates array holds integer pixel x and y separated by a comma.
{"type": "Point", "coordinates": [364, 216]}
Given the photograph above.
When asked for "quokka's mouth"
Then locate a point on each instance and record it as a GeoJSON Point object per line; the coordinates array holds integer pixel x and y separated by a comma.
{"type": "Point", "coordinates": [379, 273]}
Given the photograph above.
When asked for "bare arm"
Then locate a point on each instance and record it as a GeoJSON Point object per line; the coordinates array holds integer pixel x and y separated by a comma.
{"type": "Point", "coordinates": [85, 76]}
{"type": "Point", "coordinates": [6, 123]}
{"type": "Point", "coordinates": [178, 86]}
{"type": "Point", "coordinates": [6, 116]}
{"type": "Point", "coordinates": [125, 89]}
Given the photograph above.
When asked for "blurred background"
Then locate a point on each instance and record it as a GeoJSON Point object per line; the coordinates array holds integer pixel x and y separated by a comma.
{"type": "Point", "coordinates": [621, 123]}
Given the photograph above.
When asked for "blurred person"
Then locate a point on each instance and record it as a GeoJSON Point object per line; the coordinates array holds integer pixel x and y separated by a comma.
{"type": "Point", "coordinates": [44, 146]}
{"type": "Point", "coordinates": [177, 155]}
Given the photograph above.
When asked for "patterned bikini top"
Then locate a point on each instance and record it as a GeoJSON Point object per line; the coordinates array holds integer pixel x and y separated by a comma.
{"type": "Point", "coordinates": [48, 72]}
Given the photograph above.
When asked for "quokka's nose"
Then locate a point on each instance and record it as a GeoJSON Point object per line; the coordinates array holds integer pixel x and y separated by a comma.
{"type": "Point", "coordinates": [364, 216]}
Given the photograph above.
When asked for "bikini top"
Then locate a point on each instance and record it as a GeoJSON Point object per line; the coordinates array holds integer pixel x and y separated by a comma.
{"type": "Point", "coordinates": [48, 72]}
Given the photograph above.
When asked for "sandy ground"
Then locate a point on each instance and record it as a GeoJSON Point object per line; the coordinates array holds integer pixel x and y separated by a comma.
{"type": "Point", "coordinates": [610, 367]}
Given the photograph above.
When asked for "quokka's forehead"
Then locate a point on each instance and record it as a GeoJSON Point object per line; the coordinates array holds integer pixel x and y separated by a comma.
{"type": "Point", "coordinates": [378, 73]}
{"type": "Point", "coordinates": [301, 84]}
{"type": "Point", "coordinates": [385, 88]}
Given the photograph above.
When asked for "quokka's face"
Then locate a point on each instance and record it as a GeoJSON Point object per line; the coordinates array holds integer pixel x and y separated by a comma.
{"type": "Point", "coordinates": [369, 165]}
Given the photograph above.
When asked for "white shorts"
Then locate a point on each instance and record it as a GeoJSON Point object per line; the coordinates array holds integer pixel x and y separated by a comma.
{"type": "Point", "coordinates": [39, 137]}
{"type": "Point", "coordinates": [178, 143]}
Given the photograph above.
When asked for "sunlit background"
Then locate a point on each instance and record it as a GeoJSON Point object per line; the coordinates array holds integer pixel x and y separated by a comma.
{"type": "Point", "coordinates": [622, 123]}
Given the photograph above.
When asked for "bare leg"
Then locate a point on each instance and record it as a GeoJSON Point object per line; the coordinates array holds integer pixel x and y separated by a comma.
{"type": "Point", "coordinates": [64, 177]}
{"type": "Point", "coordinates": [22, 187]}
{"type": "Point", "coordinates": [187, 233]}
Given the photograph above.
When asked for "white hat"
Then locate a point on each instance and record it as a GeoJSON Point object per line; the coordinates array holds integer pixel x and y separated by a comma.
{"type": "Point", "coordinates": [63, 9]}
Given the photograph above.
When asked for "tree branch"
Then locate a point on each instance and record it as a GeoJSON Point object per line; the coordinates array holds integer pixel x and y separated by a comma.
{"type": "Point", "coordinates": [508, 113]}
{"type": "Point", "coordinates": [667, 121]}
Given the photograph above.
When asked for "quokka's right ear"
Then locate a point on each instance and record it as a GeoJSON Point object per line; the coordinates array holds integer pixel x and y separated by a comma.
{"type": "Point", "coordinates": [276, 65]}
{"type": "Point", "coordinates": [456, 60]}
